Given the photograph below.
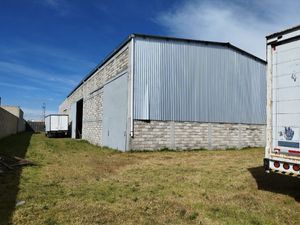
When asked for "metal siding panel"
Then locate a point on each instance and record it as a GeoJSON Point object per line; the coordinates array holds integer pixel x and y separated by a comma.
{"type": "Point", "coordinates": [197, 82]}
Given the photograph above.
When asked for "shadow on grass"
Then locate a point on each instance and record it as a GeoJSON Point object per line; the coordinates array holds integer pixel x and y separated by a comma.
{"type": "Point", "coordinates": [15, 145]}
{"type": "Point", "coordinates": [276, 183]}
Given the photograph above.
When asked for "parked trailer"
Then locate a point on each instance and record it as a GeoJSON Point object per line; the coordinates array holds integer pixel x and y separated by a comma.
{"type": "Point", "coordinates": [56, 124]}
{"type": "Point", "coordinates": [282, 153]}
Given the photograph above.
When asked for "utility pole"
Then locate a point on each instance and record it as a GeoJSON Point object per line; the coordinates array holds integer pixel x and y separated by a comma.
{"type": "Point", "coordinates": [44, 111]}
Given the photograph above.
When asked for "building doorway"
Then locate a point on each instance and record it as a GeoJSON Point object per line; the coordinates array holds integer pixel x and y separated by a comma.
{"type": "Point", "coordinates": [79, 115]}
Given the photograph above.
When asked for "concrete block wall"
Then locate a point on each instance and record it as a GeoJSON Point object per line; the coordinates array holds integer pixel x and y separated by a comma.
{"type": "Point", "coordinates": [17, 112]}
{"type": "Point", "coordinates": [188, 135]}
{"type": "Point", "coordinates": [9, 123]}
{"type": "Point", "coordinates": [21, 125]}
{"type": "Point", "coordinates": [151, 135]}
{"type": "Point", "coordinates": [92, 94]}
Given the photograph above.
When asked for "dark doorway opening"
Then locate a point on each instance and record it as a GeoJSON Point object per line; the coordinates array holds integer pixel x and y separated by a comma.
{"type": "Point", "coordinates": [79, 115]}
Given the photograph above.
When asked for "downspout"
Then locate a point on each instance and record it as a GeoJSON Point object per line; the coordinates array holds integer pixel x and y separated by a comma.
{"type": "Point", "coordinates": [132, 87]}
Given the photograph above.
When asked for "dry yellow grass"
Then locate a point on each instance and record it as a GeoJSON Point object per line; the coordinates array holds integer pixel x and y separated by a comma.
{"type": "Point", "coordinates": [77, 183]}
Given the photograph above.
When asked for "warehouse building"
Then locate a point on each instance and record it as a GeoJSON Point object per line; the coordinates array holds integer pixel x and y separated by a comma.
{"type": "Point", "coordinates": [157, 92]}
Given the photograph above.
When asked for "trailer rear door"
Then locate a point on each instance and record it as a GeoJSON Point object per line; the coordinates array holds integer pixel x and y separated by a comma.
{"type": "Point", "coordinates": [286, 97]}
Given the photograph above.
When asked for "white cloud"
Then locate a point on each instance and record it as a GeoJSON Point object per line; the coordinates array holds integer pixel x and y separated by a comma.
{"type": "Point", "coordinates": [58, 66]}
{"type": "Point", "coordinates": [40, 75]}
{"type": "Point", "coordinates": [242, 23]}
{"type": "Point", "coordinates": [47, 54]}
{"type": "Point", "coordinates": [24, 87]}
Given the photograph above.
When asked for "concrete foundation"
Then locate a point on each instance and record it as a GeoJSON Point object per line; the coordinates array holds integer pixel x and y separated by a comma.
{"type": "Point", "coordinates": [151, 135]}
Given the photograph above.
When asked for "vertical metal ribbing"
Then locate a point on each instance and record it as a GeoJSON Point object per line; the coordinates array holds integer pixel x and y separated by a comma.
{"type": "Point", "coordinates": [197, 82]}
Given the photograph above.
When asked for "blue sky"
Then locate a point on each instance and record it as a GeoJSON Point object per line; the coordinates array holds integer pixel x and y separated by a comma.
{"type": "Point", "coordinates": [48, 46]}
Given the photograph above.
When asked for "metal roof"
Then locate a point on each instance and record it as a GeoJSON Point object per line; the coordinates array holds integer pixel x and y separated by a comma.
{"type": "Point", "coordinates": [291, 29]}
{"type": "Point", "coordinates": [128, 39]}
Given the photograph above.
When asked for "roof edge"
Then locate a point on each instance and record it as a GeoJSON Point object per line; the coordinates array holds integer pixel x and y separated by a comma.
{"type": "Point", "coordinates": [288, 30]}
{"type": "Point", "coordinates": [177, 38]}
{"type": "Point", "coordinates": [103, 61]}
{"type": "Point", "coordinates": [226, 44]}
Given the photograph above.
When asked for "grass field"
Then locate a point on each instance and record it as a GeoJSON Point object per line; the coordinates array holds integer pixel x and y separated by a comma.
{"type": "Point", "coordinates": [77, 183]}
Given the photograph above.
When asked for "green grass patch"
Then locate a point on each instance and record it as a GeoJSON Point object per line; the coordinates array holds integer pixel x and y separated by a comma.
{"type": "Point", "coordinates": [78, 183]}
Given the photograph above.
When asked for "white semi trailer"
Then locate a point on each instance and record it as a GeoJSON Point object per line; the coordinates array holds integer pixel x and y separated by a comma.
{"type": "Point", "coordinates": [56, 124]}
{"type": "Point", "coordinates": [282, 153]}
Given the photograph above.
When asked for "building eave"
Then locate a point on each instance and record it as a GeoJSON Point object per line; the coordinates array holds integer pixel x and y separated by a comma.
{"type": "Point", "coordinates": [128, 39]}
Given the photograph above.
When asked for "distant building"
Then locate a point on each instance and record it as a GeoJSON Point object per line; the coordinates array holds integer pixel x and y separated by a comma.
{"type": "Point", "coordinates": [159, 92]}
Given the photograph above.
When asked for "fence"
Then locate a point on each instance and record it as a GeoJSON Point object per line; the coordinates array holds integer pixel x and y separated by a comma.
{"type": "Point", "coordinates": [35, 126]}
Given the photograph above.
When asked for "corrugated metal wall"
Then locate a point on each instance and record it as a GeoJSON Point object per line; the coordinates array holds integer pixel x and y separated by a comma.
{"type": "Point", "coordinates": [184, 81]}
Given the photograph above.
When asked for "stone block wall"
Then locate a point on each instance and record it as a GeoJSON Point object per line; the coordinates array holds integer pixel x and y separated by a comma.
{"type": "Point", "coordinates": [93, 109]}
{"type": "Point", "coordinates": [151, 135]}
{"type": "Point", "coordinates": [91, 92]}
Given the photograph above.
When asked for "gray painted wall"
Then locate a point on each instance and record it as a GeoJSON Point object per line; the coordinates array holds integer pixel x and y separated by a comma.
{"type": "Point", "coordinates": [115, 116]}
{"type": "Point", "coordinates": [183, 81]}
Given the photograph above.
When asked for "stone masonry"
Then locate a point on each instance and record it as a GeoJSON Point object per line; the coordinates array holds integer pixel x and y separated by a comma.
{"type": "Point", "coordinates": [91, 92]}
{"type": "Point", "coordinates": [93, 110]}
{"type": "Point", "coordinates": [150, 135]}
